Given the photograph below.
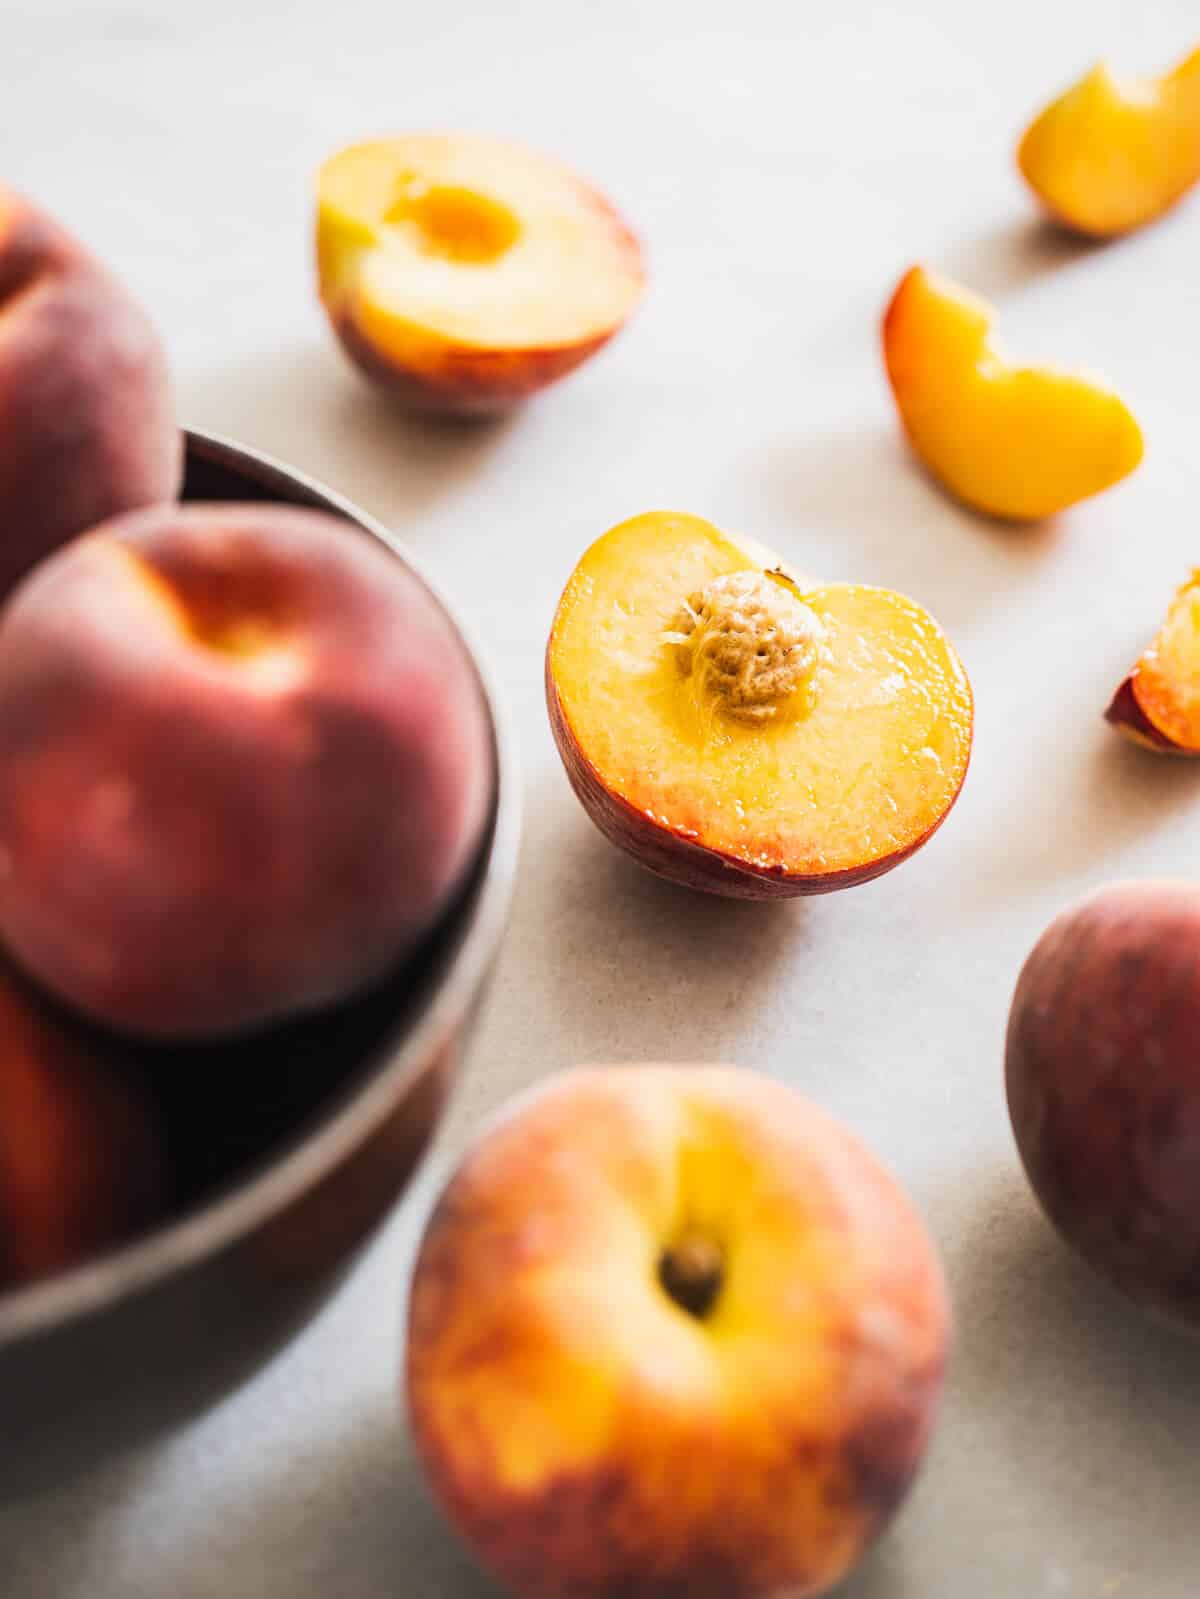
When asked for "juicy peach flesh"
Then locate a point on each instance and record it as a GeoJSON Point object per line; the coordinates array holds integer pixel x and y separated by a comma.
{"type": "Point", "coordinates": [862, 772]}
{"type": "Point", "coordinates": [1016, 442]}
{"type": "Point", "coordinates": [465, 272]}
{"type": "Point", "coordinates": [1158, 704]}
{"type": "Point", "coordinates": [1111, 154]}
{"type": "Point", "coordinates": [586, 1431]}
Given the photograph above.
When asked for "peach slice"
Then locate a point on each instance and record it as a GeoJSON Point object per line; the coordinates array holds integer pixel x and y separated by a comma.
{"type": "Point", "coordinates": [673, 1331]}
{"type": "Point", "coordinates": [465, 273]}
{"type": "Point", "coordinates": [1016, 442]}
{"type": "Point", "coordinates": [1158, 704]}
{"type": "Point", "coordinates": [1111, 153]}
{"type": "Point", "coordinates": [739, 733]}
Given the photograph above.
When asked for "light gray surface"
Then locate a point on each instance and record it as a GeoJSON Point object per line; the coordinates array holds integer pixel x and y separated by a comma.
{"type": "Point", "coordinates": [784, 162]}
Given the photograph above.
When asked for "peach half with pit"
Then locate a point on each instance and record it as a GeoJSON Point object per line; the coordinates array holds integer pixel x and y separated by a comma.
{"type": "Point", "coordinates": [742, 730]}
{"type": "Point", "coordinates": [244, 764]}
{"type": "Point", "coordinates": [1158, 704]}
{"type": "Point", "coordinates": [1113, 153]}
{"type": "Point", "coordinates": [1017, 442]}
{"type": "Point", "coordinates": [463, 274]}
{"type": "Point", "coordinates": [673, 1331]}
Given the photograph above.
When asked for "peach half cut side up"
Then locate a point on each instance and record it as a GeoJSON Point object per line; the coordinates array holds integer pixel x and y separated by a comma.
{"type": "Point", "coordinates": [462, 273]}
{"type": "Point", "coordinates": [1158, 703]}
{"type": "Point", "coordinates": [1017, 442]}
{"type": "Point", "coordinates": [741, 731]}
{"type": "Point", "coordinates": [1114, 153]}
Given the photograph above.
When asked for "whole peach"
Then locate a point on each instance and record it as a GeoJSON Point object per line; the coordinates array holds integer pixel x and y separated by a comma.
{"type": "Point", "coordinates": [1103, 1073]}
{"type": "Point", "coordinates": [87, 421]}
{"type": "Point", "coordinates": [244, 763]}
{"type": "Point", "coordinates": [673, 1332]}
{"type": "Point", "coordinates": [83, 1161]}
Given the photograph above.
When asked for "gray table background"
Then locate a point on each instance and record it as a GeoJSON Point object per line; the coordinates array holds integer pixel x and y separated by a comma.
{"type": "Point", "coordinates": [784, 162]}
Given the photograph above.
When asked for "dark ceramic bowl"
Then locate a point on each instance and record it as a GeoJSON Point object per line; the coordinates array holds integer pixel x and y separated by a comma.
{"type": "Point", "coordinates": [291, 1147]}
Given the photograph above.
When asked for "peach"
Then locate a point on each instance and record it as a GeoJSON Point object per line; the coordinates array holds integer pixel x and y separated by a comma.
{"type": "Point", "coordinates": [87, 424]}
{"type": "Point", "coordinates": [1158, 703]}
{"type": "Point", "coordinates": [672, 1331]}
{"type": "Point", "coordinates": [1111, 154]}
{"type": "Point", "coordinates": [742, 730]}
{"type": "Point", "coordinates": [1104, 1087]}
{"type": "Point", "coordinates": [1016, 442]}
{"type": "Point", "coordinates": [83, 1160]}
{"type": "Point", "coordinates": [462, 274]}
{"type": "Point", "coordinates": [244, 763]}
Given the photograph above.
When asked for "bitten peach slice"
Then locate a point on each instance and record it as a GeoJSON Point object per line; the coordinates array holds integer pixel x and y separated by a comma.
{"type": "Point", "coordinates": [1016, 442]}
{"type": "Point", "coordinates": [737, 733]}
{"type": "Point", "coordinates": [87, 421]}
{"type": "Point", "coordinates": [1158, 704]}
{"type": "Point", "coordinates": [244, 764]}
{"type": "Point", "coordinates": [673, 1331]}
{"type": "Point", "coordinates": [1113, 153]}
{"type": "Point", "coordinates": [464, 273]}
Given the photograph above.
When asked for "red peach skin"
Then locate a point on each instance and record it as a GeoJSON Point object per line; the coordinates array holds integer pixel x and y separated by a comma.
{"type": "Point", "coordinates": [87, 421]}
{"type": "Point", "coordinates": [244, 762]}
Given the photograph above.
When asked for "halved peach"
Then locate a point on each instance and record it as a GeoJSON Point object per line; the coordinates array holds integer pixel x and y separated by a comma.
{"type": "Point", "coordinates": [738, 732]}
{"type": "Point", "coordinates": [1113, 153]}
{"type": "Point", "coordinates": [1017, 442]}
{"type": "Point", "coordinates": [465, 273]}
{"type": "Point", "coordinates": [1158, 704]}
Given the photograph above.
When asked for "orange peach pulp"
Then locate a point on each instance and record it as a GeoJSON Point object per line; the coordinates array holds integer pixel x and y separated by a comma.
{"type": "Point", "coordinates": [832, 780]}
{"type": "Point", "coordinates": [1158, 704]}
{"type": "Point", "coordinates": [1113, 153]}
{"type": "Point", "coordinates": [1017, 442]}
{"type": "Point", "coordinates": [464, 273]}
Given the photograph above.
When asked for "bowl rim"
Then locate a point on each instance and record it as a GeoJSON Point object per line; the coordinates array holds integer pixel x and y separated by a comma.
{"type": "Point", "coordinates": [169, 1250]}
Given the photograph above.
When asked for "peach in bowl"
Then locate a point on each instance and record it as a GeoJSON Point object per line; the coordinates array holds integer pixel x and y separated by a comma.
{"type": "Point", "coordinates": [275, 1140]}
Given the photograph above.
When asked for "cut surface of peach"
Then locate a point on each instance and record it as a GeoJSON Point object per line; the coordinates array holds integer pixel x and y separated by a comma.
{"type": "Point", "coordinates": [1158, 704]}
{"type": "Point", "coordinates": [1113, 153]}
{"type": "Point", "coordinates": [832, 782]}
{"type": "Point", "coordinates": [466, 270]}
{"type": "Point", "coordinates": [1017, 442]}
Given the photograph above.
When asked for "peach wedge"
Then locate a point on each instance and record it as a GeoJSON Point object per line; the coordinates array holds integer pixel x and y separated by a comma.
{"type": "Point", "coordinates": [463, 274]}
{"type": "Point", "coordinates": [1112, 154]}
{"type": "Point", "coordinates": [740, 732]}
{"type": "Point", "coordinates": [1158, 704]}
{"type": "Point", "coordinates": [1020, 443]}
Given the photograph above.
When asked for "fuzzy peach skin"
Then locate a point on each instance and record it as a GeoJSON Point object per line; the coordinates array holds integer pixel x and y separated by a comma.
{"type": "Point", "coordinates": [1112, 153]}
{"type": "Point", "coordinates": [87, 422]}
{"type": "Point", "coordinates": [83, 1157]}
{"type": "Point", "coordinates": [840, 778]}
{"type": "Point", "coordinates": [1158, 704]}
{"type": "Point", "coordinates": [1104, 1087]}
{"type": "Point", "coordinates": [672, 1332]}
{"type": "Point", "coordinates": [244, 762]}
{"type": "Point", "coordinates": [1016, 442]}
{"type": "Point", "coordinates": [462, 274]}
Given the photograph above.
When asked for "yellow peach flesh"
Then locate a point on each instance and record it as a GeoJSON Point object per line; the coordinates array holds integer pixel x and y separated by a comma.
{"type": "Point", "coordinates": [1016, 442]}
{"type": "Point", "coordinates": [461, 242]}
{"type": "Point", "coordinates": [1166, 681]}
{"type": "Point", "coordinates": [1113, 153]}
{"type": "Point", "coordinates": [869, 759]}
